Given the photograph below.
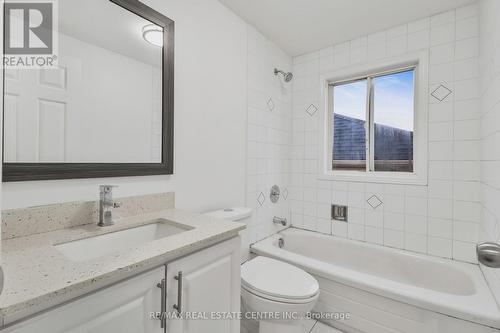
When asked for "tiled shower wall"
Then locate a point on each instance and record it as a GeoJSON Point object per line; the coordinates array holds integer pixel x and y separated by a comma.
{"type": "Point", "coordinates": [490, 130]}
{"type": "Point", "coordinates": [269, 135]}
{"type": "Point", "coordinates": [441, 219]}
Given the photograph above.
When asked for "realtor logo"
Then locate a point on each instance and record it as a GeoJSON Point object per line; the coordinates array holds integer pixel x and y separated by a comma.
{"type": "Point", "coordinates": [30, 34]}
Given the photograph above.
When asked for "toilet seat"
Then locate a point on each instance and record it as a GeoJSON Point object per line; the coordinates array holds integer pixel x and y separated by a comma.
{"type": "Point", "coordinates": [279, 299]}
{"type": "Point", "coordinates": [278, 281]}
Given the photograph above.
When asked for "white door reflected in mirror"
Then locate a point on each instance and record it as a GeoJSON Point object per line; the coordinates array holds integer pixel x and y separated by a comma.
{"type": "Point", "coordinates": [103, 104]}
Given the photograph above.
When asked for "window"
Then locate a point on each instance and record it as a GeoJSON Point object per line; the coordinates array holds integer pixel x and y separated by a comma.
{"type": "Point", "coordinates": [373, 122]}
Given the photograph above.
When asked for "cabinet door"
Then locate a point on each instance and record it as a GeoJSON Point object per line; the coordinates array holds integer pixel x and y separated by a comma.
{"type": "Point", "coordinates": [210, 283]}
{"type": "Point", "coordinates": [125, 307]}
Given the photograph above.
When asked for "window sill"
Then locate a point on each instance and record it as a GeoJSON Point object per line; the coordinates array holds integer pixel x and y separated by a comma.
{"type": "Point", "coordinates": [401, 178]}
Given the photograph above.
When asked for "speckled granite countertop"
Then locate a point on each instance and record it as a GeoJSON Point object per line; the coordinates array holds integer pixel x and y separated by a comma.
{"type": "Point", "coordinates": [38, 276]}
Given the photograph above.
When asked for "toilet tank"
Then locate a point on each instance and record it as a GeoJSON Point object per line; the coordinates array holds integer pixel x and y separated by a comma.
{"type": "Point", "coordinates": [240, 215]}
{"type": "Point", "coordinates": [236, 214]}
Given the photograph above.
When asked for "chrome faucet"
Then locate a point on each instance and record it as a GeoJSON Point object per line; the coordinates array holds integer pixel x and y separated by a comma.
{"type": "Point", "coordinates": [106, 205]}
{"type": "Point", "coordinates": [280, 220]}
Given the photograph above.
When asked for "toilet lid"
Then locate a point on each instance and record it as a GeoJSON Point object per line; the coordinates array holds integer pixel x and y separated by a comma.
{"type": "Point", "coordinates": [278, 279]}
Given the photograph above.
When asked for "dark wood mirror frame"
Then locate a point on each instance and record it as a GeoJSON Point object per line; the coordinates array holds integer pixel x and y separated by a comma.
{"type": "Point", "coordinates": [46, 171]}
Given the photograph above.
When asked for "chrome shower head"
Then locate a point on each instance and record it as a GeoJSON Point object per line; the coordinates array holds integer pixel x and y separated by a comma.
{"type": "Point", "coordinates": [286, 76]}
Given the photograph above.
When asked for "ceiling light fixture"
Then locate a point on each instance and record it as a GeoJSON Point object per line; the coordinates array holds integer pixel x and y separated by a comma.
{"type": "Point", "coordinates": [153, 34]}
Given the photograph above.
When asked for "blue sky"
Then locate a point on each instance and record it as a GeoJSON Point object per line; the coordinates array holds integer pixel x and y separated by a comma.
{"type": "Point", "coordinates": [393, 103]}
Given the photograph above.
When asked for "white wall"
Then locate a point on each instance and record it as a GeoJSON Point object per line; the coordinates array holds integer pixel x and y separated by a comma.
{"type": "Point", "coordinates": [490, 130]}
{"type": "Point", "coordinates": [210, 118]}
{"type": "Point", "coordinates": [440, 219]}
{"type": "Point", "coordinates": [269, 135]}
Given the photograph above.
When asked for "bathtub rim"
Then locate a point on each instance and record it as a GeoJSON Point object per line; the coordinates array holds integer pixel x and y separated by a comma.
{"type": "Point", "coordinates": [480, 308]}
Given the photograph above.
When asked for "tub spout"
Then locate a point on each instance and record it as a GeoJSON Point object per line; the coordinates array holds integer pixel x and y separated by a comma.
{"type": "Point", "coordinates": [280, 220]}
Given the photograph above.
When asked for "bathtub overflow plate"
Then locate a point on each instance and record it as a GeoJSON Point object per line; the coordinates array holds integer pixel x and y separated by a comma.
{"type": "Point", "coordinates": [488, 254]}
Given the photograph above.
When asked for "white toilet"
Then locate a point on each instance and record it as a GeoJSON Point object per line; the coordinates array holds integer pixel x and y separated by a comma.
{"type": "Point", "coordinates": [276, 294]}
{"type": "Point", "coordinates": [240, 215]}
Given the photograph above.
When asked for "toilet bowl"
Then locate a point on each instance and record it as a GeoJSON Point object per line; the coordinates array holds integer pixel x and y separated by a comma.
{"type": "Point", "coordinates": [276, 295]}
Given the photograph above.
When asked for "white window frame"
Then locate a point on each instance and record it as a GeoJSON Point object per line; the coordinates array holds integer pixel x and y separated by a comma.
{"type": "Point", "coordinates": [418, 61]}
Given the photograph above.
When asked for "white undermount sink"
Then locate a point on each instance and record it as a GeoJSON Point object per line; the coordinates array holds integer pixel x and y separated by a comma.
{"type": "Point", "coordinates": [98, 246]}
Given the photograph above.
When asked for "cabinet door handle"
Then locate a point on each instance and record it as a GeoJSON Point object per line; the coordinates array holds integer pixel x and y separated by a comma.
{"type": "Point", "coordinates": [163, 318]}
{"type": "Point", "coordinates": [178, 306]}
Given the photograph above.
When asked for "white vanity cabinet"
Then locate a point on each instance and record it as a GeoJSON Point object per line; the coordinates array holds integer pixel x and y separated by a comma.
{"type": "Point", "coordinates": [124, 307]}
{"type": "Point", "coordinates": [205, 285]}
{"type": "Point", "coordinates": [210, 282]}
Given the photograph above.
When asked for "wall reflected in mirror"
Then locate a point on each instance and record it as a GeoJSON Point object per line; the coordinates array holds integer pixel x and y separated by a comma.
{"type": "Point", "coordinates": [103, 104]}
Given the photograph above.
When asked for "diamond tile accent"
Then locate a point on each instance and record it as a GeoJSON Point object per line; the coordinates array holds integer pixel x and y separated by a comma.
{"type": "Point", "coordinates": [374, 202]}
{"type": "Point", "coordinates": [311, 110]}
{"type": "Point", "coordinates": [285, 193]}
{"type": "Point", "coordinates": [441, 92]}
{"type": "Point", "coordinates": [270, 104]}
{"type": "Point", "coordinates": [261, 199]}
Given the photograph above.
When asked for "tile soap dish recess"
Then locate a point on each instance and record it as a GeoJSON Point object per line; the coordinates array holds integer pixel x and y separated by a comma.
{"type": "Point", "coordinates": [339, 213]}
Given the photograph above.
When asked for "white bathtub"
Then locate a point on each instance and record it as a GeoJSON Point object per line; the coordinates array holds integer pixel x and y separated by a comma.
{"type": "Point", "coordinates": [388, 290]}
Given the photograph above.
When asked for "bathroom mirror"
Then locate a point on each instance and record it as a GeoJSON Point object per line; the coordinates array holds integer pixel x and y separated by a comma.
{"type": "Point", "coordinates": [107, 109]}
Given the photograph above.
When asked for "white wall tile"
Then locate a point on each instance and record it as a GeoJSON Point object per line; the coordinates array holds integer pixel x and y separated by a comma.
{"type": "Point", "coordinates": [467, 109]}
{"type": "Point", "coordinates": [442, 73]}
{"type": "Point", "coordinates": [438, 219]}
{"type": "Point", "coordinates": [442, 131]}
{"type": "Point", "coordinates": [374, 235]}
{"type": "Point", "coordinates": [339, 229]}
{"type": "Point", "coordinates": [464, 251]}
{"type": "Point", "coordinates": [269, 136]}
{"type": "Point", "coordinates": [443, 19]}
{"type": "Point", "coordinates": [441, 151]}
{"type": "Point", "coordinates": [394, 238]}
{"type": "Point", "coordinates": [374, 218]}
{"type": "Point", "coordinates": [418, 40]}
{"type": "Point", "coordinates": [440, 170]}
{"type": "Point", "coordinates": [466, 170]}
{"type": "Point", "coordinates": [398, 31]}
{"type": "Point", "coordinates": [419, 25]}
{"type": "Point", "coordinates": [442, 34]}
{"type": "Point", "coordinates": [356, 232]}
{"type": "Point", "coordinates": [465, 231]}
{"type": "Point", "coordinates": [416, 224]}
{"type": "Point", "coordinates": [466, 191]}
{"type": "Point", "coordinates": [441, 189]}
{"type": "Point", "coordinates": [466, 69]}
{"type": "Point", "coordinates": [397, 45]}
{"type": "Point", "coordinates": [441, 228]}
{"type": "Point", "coordinates": [416, 243]}
{"type": "Point", "coordinates": [442, 54]}
{"type": "Point", "coordinates": [487, 211]}
{"type": "Point", "coordinates": [441, 112]}
{"type": "Point", "coordinates": [324, 226]}
{"type": "Point", "coordinates": [440, 208]}
{"type": "Point", "coordinates": [394, 221]}
{"type": "Point", "coordinates": [467, 12]}
{"type": "Point", "coordinates": [440, 247]}
{"type": "Point", "coordinates": [467, 48]}
{"type": "Point", "coordinates": [467, 28]}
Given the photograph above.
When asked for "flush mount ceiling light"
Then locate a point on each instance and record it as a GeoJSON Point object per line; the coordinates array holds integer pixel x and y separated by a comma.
{"type": "Point", "coordinates": [153, 34]}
